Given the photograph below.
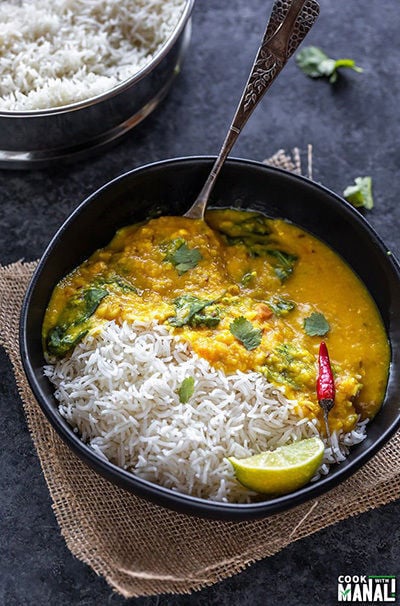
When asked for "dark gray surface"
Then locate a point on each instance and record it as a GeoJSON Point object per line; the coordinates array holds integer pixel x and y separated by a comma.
{"type": "Point", "coordinates": [354, 128]}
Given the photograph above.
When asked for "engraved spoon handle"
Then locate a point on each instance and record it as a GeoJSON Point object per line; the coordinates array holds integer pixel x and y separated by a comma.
{"type": "Point", "coordinates": [289, 23]}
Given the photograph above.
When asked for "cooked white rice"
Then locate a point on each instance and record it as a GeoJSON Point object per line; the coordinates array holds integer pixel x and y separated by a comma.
{"type": "Point", "coordinates": [56, 52]}
{"type": "Point", "coordinates": [120, 393]}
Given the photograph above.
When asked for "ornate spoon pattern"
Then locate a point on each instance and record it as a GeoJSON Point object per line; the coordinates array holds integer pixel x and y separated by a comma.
{"type": "Point", "coordinates": [289, 23]}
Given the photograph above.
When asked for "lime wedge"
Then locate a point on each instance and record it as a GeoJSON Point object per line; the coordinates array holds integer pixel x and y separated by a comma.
{"type": "Point", "coordinates": [280, 471]}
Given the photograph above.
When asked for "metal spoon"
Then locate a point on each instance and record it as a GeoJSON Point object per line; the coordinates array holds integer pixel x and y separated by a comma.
{"type": "Point", "coordinates": [289, 23]}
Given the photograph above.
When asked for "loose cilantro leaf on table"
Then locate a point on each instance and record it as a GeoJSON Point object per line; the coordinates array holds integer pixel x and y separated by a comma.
{"type": "Point", "coordinates": [191, 311]}
{"type": "Point", "coordinates": [181, 256]}
{"type": "Point", "coordinates": [316, 64]}
{"type": "Point", "coordinates": [360, 194]}
{"type": "Point", "coordinates": [316, 325]}
{"type": "Point", "coordinates": [186, 390]}
{"type": "Point", "coordinates": [245, 332]}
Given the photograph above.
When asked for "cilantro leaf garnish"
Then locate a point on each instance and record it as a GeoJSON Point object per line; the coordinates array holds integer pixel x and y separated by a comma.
{"type": "Point", "coordinates": [360, 194]}
{"type": "Point", "coordinates": [290, 365]}
{"type": "Point", "coordinates": [284, 263]}
{"type": "Point", "coordinates": [186, 390]}
{"type": "Point", "coordinates": [118, 283]}
{"type": "Point", "coordinates": [316, 64]}
{"type": "Point", "coordinates": [62, 339]}
{"type": "Point", "coordinates": [191, 311]}
{"type": "Point", "coordinates": [181, 256]}
{"type": "Point", "coordinates": [244, 228]}
{"type": "Point", "coordinates": [280, 306]}
{"type": "Point", "coordinates": [74, 321]}
{"type": "Point", "coordinates": [253, 231]}
{"type": "Point", "coordinates": [316, 325]}
{"type": "Point", "coordinates": [247, 278]}
{"type": "Point", "coordinates": [245, 332]}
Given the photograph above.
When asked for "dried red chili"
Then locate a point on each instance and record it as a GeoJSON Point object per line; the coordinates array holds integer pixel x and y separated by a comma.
{"type": "Point", "coordinates": [325, 381]}
{"type": "Point", "coordinates": [326, 388]}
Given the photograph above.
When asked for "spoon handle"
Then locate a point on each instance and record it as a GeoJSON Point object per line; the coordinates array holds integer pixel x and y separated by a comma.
{"type": "Point", "coordinates": [289, 23]}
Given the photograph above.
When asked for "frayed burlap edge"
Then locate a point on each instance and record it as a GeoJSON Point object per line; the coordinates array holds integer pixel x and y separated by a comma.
{"type": "Point", "coordinates": [142, 549]}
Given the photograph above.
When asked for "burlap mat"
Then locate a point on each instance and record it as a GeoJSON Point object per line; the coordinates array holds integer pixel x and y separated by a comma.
{"type": "Point", "coordinates": [142, 549]}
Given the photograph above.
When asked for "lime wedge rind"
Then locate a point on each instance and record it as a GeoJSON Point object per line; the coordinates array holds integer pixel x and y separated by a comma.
{"type": "Point", "coordinates": [280, 471]}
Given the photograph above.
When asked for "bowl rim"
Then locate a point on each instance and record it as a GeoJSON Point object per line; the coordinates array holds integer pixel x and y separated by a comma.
{"type": "Point", "coordinates": [118, 88]}
{"type": "Point", "coordinates": [166, 496]}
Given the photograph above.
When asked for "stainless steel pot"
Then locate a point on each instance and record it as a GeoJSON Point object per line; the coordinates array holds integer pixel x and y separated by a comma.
{"type": "Point", "coordinates": [34, 139]}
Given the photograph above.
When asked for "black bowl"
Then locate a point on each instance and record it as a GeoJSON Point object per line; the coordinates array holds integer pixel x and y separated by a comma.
{"type": "Point", "coordinates": [170, 187]}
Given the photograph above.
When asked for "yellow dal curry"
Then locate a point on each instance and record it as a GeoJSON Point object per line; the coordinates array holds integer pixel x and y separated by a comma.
{"type": "Point", "coordinates": [247, 292]}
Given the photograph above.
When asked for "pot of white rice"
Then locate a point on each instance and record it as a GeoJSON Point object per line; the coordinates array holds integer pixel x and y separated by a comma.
{"type": "Point", "coordinates": [77, 74]}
